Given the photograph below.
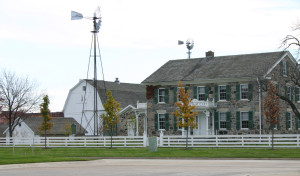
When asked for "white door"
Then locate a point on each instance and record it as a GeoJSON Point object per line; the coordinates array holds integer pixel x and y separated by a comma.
{"type": "Point", "coordinates": [130, 127]}
{"type": "Point", "coordinates": [202, 125]}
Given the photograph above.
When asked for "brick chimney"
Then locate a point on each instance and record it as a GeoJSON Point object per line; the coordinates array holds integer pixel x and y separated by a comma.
{"type": "Point", "coordinates": [209, 54]}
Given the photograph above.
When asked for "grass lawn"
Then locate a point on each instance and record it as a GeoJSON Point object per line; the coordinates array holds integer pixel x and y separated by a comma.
{"type": "Point", "coordinates": [33, 155]}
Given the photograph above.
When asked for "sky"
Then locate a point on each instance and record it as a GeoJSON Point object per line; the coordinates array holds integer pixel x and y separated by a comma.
{"type": "Point", "coordinates": [39, 40]}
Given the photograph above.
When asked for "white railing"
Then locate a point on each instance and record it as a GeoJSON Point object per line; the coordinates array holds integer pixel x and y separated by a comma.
{"type": "Point", "coordinates": [141, 105]}
{"type": "Point", "coordinates": [209, 103]}
{"type": "Point", "coordinates": [284, 140]}
{"type": "Point", "coordinates": [118, 141]}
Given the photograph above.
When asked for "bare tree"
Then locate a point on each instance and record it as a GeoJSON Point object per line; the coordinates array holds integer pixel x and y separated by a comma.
{"type": "Point", "coordinates": [18, 96]}
{"type": "Point", "coordinates": [292, 40]}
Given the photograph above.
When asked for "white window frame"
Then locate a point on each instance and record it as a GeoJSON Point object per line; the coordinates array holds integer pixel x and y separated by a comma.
{"type": "Point", "coordinates": [223, 120]}
{"type": "Point", "coordinates": [290, 121]}
{"type": "Point", "coordinates": [164, 122]}
{"type": "Point", "coordinates": [198, 93]}
{"type": "Point", "coordinates": [163, 96]}
{"type": "Point", "coordinates": [242, 92]}
{"type": "Point", "coordinates": [220, 92]}
{"type": "Point", "coordinates": [284, 71]}
{"type": "Point", "coordinates": [289, 92]}
{"type": "Point", "coordinates": [241, 121]}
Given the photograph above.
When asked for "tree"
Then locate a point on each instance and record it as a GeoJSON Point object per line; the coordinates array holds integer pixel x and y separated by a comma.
{"type": "Point", "coordinates": [46, 124]}
{"type": "Point", "coordinates": [271, 108]}
{"type": "Point", "coordinates": [18, 96]}
{"type": "Point", "coordinates": [111, 117]}
{"type": "Point", "coordinates": [184, 112]}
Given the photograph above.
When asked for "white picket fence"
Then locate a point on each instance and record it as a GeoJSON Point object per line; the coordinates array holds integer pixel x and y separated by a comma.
{"type": "Point", "coordinates": [118, 141]}
{"type": "Point", "coordinates": [283, 140]}
{"type": "Point", "coordinates": [233, 141]}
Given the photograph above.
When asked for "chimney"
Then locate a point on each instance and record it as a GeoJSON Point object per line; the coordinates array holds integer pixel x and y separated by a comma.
{"type": "Point", "coordinates": [117, 81]}
{"type": "Point", "coordinates": [209, 54]}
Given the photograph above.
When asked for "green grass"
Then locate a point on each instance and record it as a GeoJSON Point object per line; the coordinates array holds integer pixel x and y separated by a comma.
{"type": "Point", "coordinates": [29, 155]}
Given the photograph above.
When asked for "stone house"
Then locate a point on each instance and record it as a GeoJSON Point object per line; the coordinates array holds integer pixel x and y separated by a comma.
{"type": "Point", "coordinates": [226, 91]}
{"type": "Point", "coordinates": [80, 105]}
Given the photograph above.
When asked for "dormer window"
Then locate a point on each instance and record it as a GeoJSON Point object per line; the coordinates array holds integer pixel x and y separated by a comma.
{"type": "Point", "coordinates": [161, 95]}
{"type": "Point", "coordinates": [201, 93]}
{"type": "Point", "coordinates": [244, 92]}
{"type": "Point", "coordinates": [284, 72]}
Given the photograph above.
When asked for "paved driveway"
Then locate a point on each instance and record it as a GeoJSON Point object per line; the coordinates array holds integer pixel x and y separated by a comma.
{"type": "Point", "coordinates": [156, 167]}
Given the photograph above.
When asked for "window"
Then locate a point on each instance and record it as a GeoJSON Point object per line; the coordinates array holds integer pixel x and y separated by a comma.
{"type": "Point", "coordinates": [201, 93]}
{"type": "Point", "coordinates": [298, 120]}
{"type": "Point", "coordinates": [244, 91]}
{"type": "Point", "coordinates": [245, 120]}
{"type": "Point", "coordinates": [289, 92]}
{"type": "Point", "coordinates": [83, 88]}
{"type": "Point", "coordinates": [284, 70]}
{"type": "Point", "coordinates": [297, 92]}
{"type": "Point", "coordinates": [222, 120]}
{"type": "Point", "coordinates": [161, 95]}
{"type": "Point", "coordinates": [161, 121]}
{"type": "Point", "coordinates": [222, 92]}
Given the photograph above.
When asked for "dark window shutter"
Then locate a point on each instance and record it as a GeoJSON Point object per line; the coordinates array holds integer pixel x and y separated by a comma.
{"type": "Point", "coordinates": [175, 124]}
{"type": "Point", "coordinates": [251, 123]}
{"type": "Point", "coordinates": [288, 125]}
{"type": "Point", "coordinates": [285, 87]}
{"type": "Point", "coordinates": [195, 93]}
{"type": "Point", "coordinates": [186, 89]}
{"type": "Point", "coordinates": [250, 91]}
{"type": "Point", "coordinates": [228, 92]}
{"type": "Point", "coordinates": [216, 93]}
{"type": "Point", "coordinates": [297, 94]}
{"type": "Point", "coordinates": [206, 92]}
{"type": "Point", "coordinates": [155, 95]}
{"type": "Point", "coordinates": [278, 124]}
{"type": "Point", "coordinates": [156, 121]}
{"type": "Point", "coordinates": [287, 68]}
{"type": "Point", "coordinates": [174, 94]}
{"type": "Point", "coordinates": [292, 93]}
{"type": "Point", "coordinates": [216, 119]}
{"type": "Point", "coordinates": [238, 120]}
{"type": "Point", "coordinates": [167, 122]}
{"type": "Point", "coordinates": [281, 68]}
{"type": "Point", "coordinates": [228, 120]}
{"type": "Point", "coordinates": [166, 95]}
{"type": "Point", "coordinates": [237, 92]}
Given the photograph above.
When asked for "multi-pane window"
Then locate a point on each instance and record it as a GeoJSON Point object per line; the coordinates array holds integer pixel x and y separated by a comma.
{"type": "Point", "coordinates": [201, 93]}
{"type": "Point", "coordinates": [161, 95]}
{"type": "Point", "coordinates": [297, 91]}
{"type": "Point", "coordinates": [222, 120]}
{"type": "Point", "coordinates": [222, 92]}
{"type": "Point", "coordinates": [161, 121]}
{"type": "Point", "coordinates": [245, 119]}
{"type": "Point", "coordinates": [244, 91]}
{"type": "Point", "coordinates": [289, 92]}
{"type": "Point", "coordinates": [284, 70]}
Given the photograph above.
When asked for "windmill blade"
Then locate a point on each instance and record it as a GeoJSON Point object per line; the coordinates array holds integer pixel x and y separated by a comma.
{"type": "Point", "coordinates": [180, 42]}
{"type": "Point", "coordinates": [98, 24]}
{"type": "Point", "coordinates": [76, 15]}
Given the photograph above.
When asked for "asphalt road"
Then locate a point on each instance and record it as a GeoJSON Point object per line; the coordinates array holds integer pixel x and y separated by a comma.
{"type": "Point", "coordinates": [156, 167]}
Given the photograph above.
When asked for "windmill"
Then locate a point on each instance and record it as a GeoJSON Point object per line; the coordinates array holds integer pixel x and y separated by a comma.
{"type": "Point", "coordinates": [189, 44]}
{"type": "Point", "coordinates": [96, 26]}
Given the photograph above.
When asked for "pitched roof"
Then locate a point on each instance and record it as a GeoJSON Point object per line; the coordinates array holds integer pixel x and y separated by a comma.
{"type": "Point", "coordinates": [59, 125]}
{"type": "Point", "coordinates": [125, 93]}
{"type": "Point", "coordinates": [221, 67]}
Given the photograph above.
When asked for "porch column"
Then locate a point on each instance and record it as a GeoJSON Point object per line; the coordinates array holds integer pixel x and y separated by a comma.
{"type": "Point", "coordinates": [206, 117]}
{"type": "Point", "coordinates": [137, 123]}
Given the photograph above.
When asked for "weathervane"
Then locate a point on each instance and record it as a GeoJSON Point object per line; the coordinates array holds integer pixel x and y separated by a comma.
{"type": "Point", "coordinates": [96, 26]}
{"type": "Point", "coordinates": [189, 44]}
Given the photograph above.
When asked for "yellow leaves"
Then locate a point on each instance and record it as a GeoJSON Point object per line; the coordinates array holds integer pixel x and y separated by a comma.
{"type": "Point", "coordinates": [271, 105]}
{"type": "Point", "coordinates": [112, 109]}
{"type": "Point", "coordinates": [184, 112]}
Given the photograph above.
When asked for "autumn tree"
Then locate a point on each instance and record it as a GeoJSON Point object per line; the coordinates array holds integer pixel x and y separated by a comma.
{"type": "Point", "coordinates": [111, 115]}
{"type": "Point", "coordinates": [46, 124]}
{"type": "Point", "coordinates": [18, 96]}
{"type": "Point", "coordinates": [184, 112]}
{"type": "Point", "coordinates": [271, 108]}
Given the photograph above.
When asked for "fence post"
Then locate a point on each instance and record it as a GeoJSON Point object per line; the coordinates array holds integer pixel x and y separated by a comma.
{"type": "Point", "coordinates": [104, 141]}
{"type": "Point", "coordinates": [242, 141]}
{"type": "Point", "coordinates": [270, 141]}
{"type": "Point", "coordinates": [145, 140]}
{"type": "Point", "coordinates": [217, 142]}
{"type": "Point", "coordinates": [84, 141]}
{"type": "Point", "coordinates": [125, 141]}
{"type": "Point", "coordinates": [192, 138]}
{"type": "Point", "coordinates": [298, 140]}
{"type": "Point", "coordinates": [161, 143]}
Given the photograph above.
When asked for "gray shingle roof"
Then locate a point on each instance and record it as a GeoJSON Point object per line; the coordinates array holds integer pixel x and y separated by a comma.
{"type": "Point", "coordinates": [125, 93]}
{"type": "Point", "coordinates": [58, 128]}
{"type": "Point", "coordinates": [221, 67]}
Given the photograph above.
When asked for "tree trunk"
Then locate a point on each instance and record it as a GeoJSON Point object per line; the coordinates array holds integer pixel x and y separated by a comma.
{"type": "Point", "coordinates": [45, 139]}
{"type": "Point", "coordinates": [272, 138]}
{"type": "Point", "coordinates": [187, 136]}
{"type": "Point", "coordinates": [111, 137]}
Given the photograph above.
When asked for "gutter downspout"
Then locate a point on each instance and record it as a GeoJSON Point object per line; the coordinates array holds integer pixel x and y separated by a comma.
{"type": "Point", "coordinates": [259, 97]}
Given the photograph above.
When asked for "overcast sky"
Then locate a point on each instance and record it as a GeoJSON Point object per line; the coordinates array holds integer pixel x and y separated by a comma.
{"type": "Point", "coordinates": [39, 40]}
